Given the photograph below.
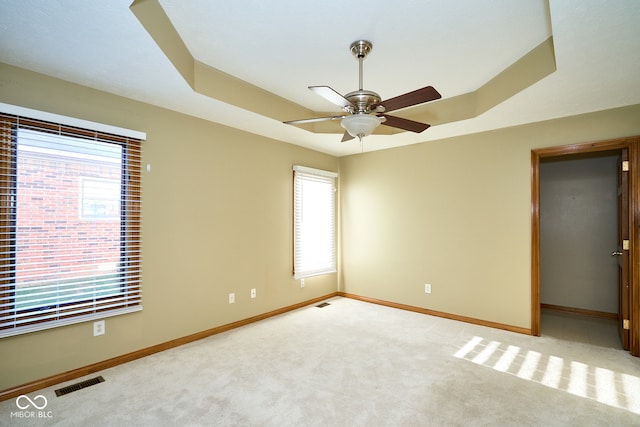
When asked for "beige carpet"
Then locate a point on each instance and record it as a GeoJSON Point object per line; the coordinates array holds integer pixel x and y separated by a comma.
{"type": "Point", "coordinates": [358, 364]}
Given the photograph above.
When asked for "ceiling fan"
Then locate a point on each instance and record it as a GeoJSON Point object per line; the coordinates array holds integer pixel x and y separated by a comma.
{"type": "Point", "coordinates": [365, 109]}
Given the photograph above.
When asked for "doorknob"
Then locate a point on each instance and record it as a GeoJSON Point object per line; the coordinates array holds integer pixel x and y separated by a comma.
{"type": "Point", "coordinates": [616, 253]}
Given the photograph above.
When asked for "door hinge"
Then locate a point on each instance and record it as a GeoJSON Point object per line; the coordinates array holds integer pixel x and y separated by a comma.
{"type": "Point", "coordinates": [625, 324]}
{"type": "Point", "coordinates": [625, 166]}
{"type": "Point", "coordinates": [625, 245]}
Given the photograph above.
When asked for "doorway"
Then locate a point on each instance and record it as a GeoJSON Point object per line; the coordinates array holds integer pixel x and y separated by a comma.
{"type": "Point", "coordinates": [629, 287]}
{"type": "Point", "coordinates": [578, 234]}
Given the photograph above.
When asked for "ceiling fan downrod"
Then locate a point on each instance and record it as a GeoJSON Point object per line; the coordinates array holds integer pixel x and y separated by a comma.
{"type": "Point", "coordinates": [360, 49]}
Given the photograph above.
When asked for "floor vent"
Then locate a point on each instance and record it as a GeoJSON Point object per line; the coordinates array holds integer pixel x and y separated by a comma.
{"type": "Point", "coordinates": [324, 304]}
{"type": "Point", "coordinates": [79, 386]}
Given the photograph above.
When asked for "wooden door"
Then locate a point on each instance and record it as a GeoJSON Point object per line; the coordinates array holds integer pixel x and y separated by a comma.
{"type": "Point", "coordinates": [622, 251]}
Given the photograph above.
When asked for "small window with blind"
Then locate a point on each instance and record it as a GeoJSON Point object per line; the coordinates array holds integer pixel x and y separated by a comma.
{"type": "Point", "coordinates": [69, 225]}
{"type": "Point", "coordinates": [314, 222]}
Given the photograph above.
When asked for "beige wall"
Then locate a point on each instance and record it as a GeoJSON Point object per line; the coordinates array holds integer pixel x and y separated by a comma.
{"type": "Point", "coordinates": [455, 213]}
{"type": "Point", "coordinates": [217, 215]}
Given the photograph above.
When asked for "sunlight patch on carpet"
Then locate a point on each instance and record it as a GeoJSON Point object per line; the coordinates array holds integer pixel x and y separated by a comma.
{"type": "Point", "coordinates": [604, 385]}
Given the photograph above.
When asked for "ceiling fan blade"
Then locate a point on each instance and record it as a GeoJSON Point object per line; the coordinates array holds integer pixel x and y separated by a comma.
{"type": "Point", "coordinates": [406, 124]}
{"type": "Point", "coordinates": [418, 96]}
{"type": "Point", "coordinates": [314, 119]}
{"type": "Point", "coordinates": [332, 96]}
{"type": "Point", "coordinates": [346, 137]}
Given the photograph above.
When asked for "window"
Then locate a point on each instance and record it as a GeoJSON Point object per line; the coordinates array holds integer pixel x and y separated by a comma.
{"type": "Point", "coordinates": [69, 225]}
{"type": "Point", "coordinates": [314, 222]}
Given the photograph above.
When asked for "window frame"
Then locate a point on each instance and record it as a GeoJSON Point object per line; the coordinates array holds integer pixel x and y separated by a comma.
{"type": "Point", "coordinates": [14, 321]}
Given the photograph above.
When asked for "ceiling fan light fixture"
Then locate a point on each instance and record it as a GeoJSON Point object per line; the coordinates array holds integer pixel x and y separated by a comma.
{"type": "Point", "coordinates": [360, 125]}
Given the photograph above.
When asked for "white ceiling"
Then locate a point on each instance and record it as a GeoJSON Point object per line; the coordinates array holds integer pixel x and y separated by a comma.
{"type": "Point", "coordinates": [284, 46]}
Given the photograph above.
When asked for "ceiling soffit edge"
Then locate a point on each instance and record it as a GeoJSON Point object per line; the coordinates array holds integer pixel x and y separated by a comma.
{"type": "Point", "coordinates": [209, 81]}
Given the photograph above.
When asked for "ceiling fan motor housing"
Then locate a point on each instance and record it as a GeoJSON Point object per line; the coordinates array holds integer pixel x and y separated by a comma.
{"type": "Point", "coordinates": [363, 100]}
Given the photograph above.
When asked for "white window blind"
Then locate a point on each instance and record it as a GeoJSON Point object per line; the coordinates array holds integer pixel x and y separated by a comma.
{"type": "Point", "coordinates": [70, 207]}
{"type": "Point", "coordinates": [314, 222]}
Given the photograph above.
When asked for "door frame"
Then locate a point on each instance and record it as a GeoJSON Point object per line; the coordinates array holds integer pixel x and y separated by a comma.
{"type": "Point", "coordinates": [632, 144]}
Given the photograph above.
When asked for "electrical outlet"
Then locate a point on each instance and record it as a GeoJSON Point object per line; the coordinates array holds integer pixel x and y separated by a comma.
{"type": "Point", "coordinates": [302, 283]}
{"type": "Point", "coordinates": [253, 293]}
{"type": "Point", "coordinates": [232, 298]}
{"type": "Point", "coordinates": [427, 288]}
{"type": "Point", "coordinates": [98, 328]}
